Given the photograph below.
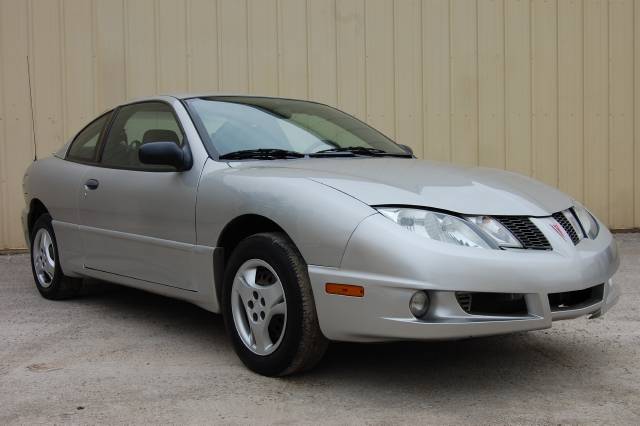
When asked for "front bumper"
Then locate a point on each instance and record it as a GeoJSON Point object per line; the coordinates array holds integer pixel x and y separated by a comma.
{"type": "Point", "coordinates": [391, 264]}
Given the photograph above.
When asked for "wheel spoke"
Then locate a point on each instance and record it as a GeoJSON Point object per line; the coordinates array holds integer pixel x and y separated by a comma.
{"type": "Point", "coordinates": [244, 288]}
{"type": "Point", "coordinates": [47, 258]}
{"type": "Point", "coordinates": [44, 243]}
{"type": "Point", "coordinates": [280, 308]}
{"type": "Point", "coordinates": [37, 243]}
{"type": "Point", "coordinates": [273, 294]}
{"type": "Point", "coordinates": [49, 267]}
{"type": "Point", "coordinates": [249, 276]}
{"type": "Point", "coordinates": [261, 338]}
{"type": "Point", "coordinates": [277, 309]}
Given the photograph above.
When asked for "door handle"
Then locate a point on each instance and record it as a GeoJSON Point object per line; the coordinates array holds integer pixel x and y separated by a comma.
{"type": "Point", "coordinates": [91, 184]}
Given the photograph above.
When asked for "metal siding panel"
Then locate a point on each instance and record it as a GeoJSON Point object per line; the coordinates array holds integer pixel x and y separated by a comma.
{"type": "Point", "coordinates": [47, 76]}
{"type": "Point", "coordinates": [79, 85]}
{"type": "Point", "coordinates": [408, 75]}
{"type": "Point", "coordinates": [436, 79]}
{"type": "Point", "coordinates": [544, 126]}
{"type": "Point", "coordinates": [172, 46]}
{"type": "Point", "coordinates": [292, 49]}
{"type": "Point", "coordinates": [491, 83]}
{"type": "Point", "coordinates": [464, 83]}
{"type": "Point", "coordinates": [570, 98]}
{"type": "Point", "coordinates": [636, 109]}
{"type": "Point", "coordinates": [263, 47]}
{"type": "Point", "coordinates": [518, 86]}
{"type": "Point", "coordinates": [596, 108]}
{"type": "Point", "coordinates": [4, 187]}
{"type": "Point", "coordinates": [351, 76]}
{"type": "Point", "coordinates": [110, 73]}
{"type": "Point", "coordinates": [549, 88]}
{"type": "Point", "coordinates": [141, 54]}
{"type": "Point", "coordinates": [322, 51]}
{"type": "Point", "coordinates": [621, 113]}
{"type": "Point", "coordinates": [232, 38]}
{"type": "Point", "coordinates": [203, 45]}
{"type": "Point", "coordinates": [16, 136]}
{"type": "Point", "coordinates": [380, 65]}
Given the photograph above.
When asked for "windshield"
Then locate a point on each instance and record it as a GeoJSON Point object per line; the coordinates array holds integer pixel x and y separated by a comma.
{"type": "Point", "coordinates": [234, 123]}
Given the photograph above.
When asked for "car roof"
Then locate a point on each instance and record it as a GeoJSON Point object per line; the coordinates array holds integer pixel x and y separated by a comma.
{"type": "Point", "coordinates": [187, 95]}
{"type": "Point", "coordinates": [168, 97]}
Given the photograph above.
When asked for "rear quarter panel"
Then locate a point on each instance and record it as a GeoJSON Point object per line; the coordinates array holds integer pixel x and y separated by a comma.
{"type": "Point", "coordinates": [57, 184]}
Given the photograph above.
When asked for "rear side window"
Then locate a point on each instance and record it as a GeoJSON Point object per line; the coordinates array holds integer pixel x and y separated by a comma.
{"type": "Point", "coordinates": [83, 148]}
{"type": "Point", "coordinates": [136, 125]}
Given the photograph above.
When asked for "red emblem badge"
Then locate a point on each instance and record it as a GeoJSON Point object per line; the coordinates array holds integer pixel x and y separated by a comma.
{"type": "Point", "coordinates": [560, 230]}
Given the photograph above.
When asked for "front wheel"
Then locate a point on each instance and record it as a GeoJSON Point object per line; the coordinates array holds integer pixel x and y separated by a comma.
{"type": "Point", "coordinates": [269, 309]}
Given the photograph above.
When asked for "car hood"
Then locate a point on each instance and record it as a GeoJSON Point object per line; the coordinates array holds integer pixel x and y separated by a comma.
{"type": "Point", "coordinates": [413, 182]}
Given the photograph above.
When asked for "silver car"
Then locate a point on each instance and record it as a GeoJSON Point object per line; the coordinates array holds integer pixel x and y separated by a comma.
{"type": "Point", "coordinates": [303, 225]}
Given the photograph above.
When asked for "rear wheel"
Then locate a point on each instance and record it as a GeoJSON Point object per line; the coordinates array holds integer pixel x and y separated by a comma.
{"type": "Point", "coordinates": [269, 309]}
{"type": "Point", "coordinates": [45, 264]}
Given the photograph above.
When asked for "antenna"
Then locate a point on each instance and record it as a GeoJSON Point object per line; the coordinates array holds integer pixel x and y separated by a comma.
{"type": "Point", "coordinates": [33, 120]}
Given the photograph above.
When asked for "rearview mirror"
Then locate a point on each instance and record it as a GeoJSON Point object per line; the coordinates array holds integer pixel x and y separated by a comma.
{"type": "Point", "coordinates": [165, 154]}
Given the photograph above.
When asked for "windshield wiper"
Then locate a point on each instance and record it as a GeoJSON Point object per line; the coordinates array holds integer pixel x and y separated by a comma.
{"type": "Point", "coordinates": [261, 154]}
{"type": "Point", "coordinates": [357, 150]}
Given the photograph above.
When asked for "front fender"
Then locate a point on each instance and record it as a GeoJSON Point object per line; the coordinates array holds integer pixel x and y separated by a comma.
{"type": "Point", "coordinates": [319, 219]}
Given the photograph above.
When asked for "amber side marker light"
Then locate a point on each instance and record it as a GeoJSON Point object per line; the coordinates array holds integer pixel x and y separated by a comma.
{"type": "Point", "coordinates": [344, 289]}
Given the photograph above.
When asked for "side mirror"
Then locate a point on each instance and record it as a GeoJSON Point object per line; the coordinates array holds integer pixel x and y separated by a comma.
{"type": "Point", "coordinates": [406, 148]}
{"type": "Point", "coordinates": [165, 154]}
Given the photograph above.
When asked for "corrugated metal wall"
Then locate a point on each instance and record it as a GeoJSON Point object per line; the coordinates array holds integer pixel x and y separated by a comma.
{"type": "Point", "coordinates": [548, 88]}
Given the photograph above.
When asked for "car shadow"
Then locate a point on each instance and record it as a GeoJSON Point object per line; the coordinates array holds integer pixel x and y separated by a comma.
{"type": "Point", "coordinates": [499, 364]}
{"type": "Point", "coordinates": [148, 309]}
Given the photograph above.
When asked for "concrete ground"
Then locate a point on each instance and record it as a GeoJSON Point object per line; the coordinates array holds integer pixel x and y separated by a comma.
{"type": "Point", "coordinates": [117, 355]}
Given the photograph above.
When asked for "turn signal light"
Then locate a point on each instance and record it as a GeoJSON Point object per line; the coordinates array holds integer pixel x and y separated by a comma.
{"type": "Point", "coordinates": [344, 289]}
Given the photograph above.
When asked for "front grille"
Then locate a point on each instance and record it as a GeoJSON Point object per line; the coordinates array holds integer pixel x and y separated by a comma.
{"type": "Point", "coordinates": [576, 299]}
{"type": "Point", "coordinates": [564, 222]}
{"type": "Point", "coordinates": [525, 231]}
{"type": "Point", "coordinates": [481, 303]}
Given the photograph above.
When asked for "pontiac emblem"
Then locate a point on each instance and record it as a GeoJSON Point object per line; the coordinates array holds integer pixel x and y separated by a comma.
{"type": "Point", "coordinates": [560, 230]}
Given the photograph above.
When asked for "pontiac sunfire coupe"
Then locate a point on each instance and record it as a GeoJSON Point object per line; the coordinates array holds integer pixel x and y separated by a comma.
{"type": "Point", "coordinates": [303, 225]}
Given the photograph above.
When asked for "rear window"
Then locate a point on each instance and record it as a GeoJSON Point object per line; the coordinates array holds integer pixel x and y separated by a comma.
{"type": "Point", "coordinates": [83, 148]}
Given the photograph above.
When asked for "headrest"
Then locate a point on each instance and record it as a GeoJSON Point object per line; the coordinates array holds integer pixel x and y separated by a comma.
{"type": "Point", "coordinates": [160, 135]}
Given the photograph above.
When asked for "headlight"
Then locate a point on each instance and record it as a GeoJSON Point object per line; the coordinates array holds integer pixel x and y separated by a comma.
{"type": "Point", "coordinates": [437, 226]}
{"type": "Point", "coordinates": [588, 222]}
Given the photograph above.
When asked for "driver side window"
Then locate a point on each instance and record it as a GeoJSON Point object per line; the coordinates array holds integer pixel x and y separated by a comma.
{"type": "Point", "coordinates": [136, 125]}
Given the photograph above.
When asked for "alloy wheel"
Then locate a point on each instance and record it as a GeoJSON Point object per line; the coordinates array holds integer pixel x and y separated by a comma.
{"type": "Point", "coordinates": [44, 260]}
{"type": "Point", "coordinates": [259, 307]}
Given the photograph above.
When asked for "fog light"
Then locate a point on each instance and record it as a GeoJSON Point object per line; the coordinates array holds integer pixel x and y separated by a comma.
{"type": "Point", "coordinates": [419, 304]}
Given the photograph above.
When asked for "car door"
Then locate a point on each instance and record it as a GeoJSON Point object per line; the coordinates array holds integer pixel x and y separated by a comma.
{"type": "Point", "coordinates": [137, 220]}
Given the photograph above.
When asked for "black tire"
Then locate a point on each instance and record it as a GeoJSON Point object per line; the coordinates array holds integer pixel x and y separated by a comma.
{"type": "Point", "coordinates": [302, 345]}
{"type": "Point", "coordinates": [58, 286]}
